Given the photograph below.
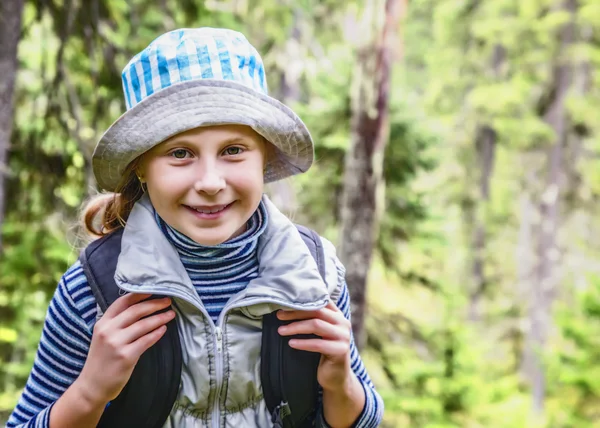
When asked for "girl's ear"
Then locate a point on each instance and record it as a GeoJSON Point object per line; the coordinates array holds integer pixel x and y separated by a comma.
{"type": "Point", "coordinates": [140, 175]}
{"type": "Point", "coordinates": [140, 170]}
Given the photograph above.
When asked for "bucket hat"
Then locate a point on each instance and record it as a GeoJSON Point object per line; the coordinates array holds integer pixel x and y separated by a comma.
{"type": "Point", "coordinates": [196, 77]}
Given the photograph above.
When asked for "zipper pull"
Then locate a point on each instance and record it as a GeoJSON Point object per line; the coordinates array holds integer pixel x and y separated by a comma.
{"type": "Point", "coordinates": [219, 335]}
{"type": "Point", "coordinates": [280, 412]}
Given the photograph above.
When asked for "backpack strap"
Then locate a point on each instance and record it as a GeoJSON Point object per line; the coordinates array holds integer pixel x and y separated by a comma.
{"type": "Point", "coordinates": [149, 395]}
{"type": "Point", "coordinates": [315, 246]}
{"type": "Point", "coordinates": [288, 375]}
{"type": "Point", "coordinates": [99, 263]}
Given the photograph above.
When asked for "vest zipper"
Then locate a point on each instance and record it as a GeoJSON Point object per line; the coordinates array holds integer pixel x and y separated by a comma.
{"type": "Point", "coordinates": [219, 372]}
{"type": "Point", "coordinates": [219, 335]}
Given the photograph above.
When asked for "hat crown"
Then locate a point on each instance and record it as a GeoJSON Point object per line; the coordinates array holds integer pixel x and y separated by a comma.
{"type": "Point", "coordinates": [193, 54]}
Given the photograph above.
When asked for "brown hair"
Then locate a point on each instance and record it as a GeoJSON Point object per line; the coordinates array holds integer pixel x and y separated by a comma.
{"type": "Point", "coordinates": [107, 212]}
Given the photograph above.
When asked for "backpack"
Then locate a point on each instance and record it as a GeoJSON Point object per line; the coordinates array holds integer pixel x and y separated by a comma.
{"type": "Point", "coordinates": [288, 376]}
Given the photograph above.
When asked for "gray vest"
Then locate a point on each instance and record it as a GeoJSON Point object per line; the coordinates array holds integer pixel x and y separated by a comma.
{"type": "Point", "coordinates": [220, 380]}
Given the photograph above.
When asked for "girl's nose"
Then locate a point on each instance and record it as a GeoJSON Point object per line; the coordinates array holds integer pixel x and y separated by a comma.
{"type": "Point", "coordinates": [211, 182]}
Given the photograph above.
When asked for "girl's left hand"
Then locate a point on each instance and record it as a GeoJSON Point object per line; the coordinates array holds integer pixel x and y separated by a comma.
{"type": "Point", "coordinates": [334, 332]}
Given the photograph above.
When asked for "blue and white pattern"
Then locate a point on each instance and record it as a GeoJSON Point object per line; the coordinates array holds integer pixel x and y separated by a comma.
{"type": "Point", "coordinates": [67, 332]}
{"type": "Point", "coordinates": [193, 53]}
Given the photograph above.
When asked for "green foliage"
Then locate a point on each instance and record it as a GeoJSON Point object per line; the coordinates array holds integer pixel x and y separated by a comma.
{"type": "Point", "coordinates": [450, 62]}
{"type": "Point", "coordinates": [35, 256]}
{"type": "Point", "coordinates": [576, 374]}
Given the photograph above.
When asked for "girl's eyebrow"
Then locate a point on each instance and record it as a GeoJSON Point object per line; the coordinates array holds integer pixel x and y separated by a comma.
{"type": "Point", "coordinates": [234, 140]}
{"type": "Point", "coordinates": [231, 140]}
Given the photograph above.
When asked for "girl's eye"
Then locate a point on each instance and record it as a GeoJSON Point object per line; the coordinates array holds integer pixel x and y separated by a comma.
{"type": "Point", "coordinates": [179, 153]}
{"type": "Point", "coordinates": [232, 151]}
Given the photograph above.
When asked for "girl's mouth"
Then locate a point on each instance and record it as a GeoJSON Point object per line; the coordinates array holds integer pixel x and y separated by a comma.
{"type": "Point", "coordinates": [206, 212]}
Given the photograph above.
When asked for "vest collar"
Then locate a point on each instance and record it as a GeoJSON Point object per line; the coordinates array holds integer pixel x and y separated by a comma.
{"type": "Point", "coordinates": [288, 275]}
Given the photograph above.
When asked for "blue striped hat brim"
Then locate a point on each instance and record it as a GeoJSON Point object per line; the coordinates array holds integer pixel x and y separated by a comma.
{"type": "Point", "coordinates": [196, 103]}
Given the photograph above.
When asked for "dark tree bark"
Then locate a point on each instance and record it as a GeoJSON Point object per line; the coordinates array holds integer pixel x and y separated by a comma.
{"type": "Point", "coordinates": [581, 86]}
{"type": "Point", "coordinates": [10, 30]}
{"type": "Point", "coordinates": [289, 85]}
{"type": "Point", "coordinates": [543, 286]}
{"type": "Point", "coordinates": [485, 145]}
{"type": "Point", "coordinates": [364, 160]}
{"type": "Point", "coordinates": [485, 148]}
{"type": "Point", "coordinates": [289, 92]}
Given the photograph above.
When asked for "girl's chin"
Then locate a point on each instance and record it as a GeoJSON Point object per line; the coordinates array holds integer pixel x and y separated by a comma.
{"type": "Point", "coordinates": [211, 238]}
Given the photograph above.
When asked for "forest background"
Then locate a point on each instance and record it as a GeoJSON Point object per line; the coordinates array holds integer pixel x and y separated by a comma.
{"type": "Point", "coordinates": [457, 168]}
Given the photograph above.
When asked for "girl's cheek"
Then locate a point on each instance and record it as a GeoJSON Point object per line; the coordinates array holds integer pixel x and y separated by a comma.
{"type": "Point", "coordinates": [244, 174]}
{"type": "Point", "coordinates": [177, 173]}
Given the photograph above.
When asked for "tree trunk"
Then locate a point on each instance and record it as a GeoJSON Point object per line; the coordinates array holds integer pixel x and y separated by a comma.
{"type": "Point", "coordinates": [10, 30]}
{"type": "Point", "coordinates": [364, 160]}
{"type": "Point", "coordinates": [525, 252]}
{"type": "Point", "coordinates": [289, 86]}
{"type": "Point", "coordinates": [545, 273]}
{"type": "Point", "coordinates": [289, 92]}
{"type": "Point", "coordinates": [485, 146]}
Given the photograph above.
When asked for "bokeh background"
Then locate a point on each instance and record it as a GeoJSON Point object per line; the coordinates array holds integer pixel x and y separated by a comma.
{"type": "Point", "coordinates": [457, 169]}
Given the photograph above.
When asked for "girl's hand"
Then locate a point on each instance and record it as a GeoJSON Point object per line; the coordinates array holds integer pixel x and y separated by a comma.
{"type": "Point", "coordinates": [334, 329]}
{"type": "Point", "coordinates": [124, 332]}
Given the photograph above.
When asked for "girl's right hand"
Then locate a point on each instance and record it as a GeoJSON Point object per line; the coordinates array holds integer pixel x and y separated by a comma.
{"type": "Point", "coordinates": [120, 337]}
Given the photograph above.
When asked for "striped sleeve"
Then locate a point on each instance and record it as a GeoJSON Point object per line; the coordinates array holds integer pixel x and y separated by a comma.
{"type": "Point", "coordinates": [372, 413]}
{"type": "Point", "coordinates": [62, 351]}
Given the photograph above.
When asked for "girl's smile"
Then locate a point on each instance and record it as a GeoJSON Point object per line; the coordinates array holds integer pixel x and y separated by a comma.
{"type": "Point", "coordinates": [206, 212]}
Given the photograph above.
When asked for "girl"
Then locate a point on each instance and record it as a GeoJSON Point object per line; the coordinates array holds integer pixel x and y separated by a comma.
{"type": "Point", "coordinates": [187, 163]}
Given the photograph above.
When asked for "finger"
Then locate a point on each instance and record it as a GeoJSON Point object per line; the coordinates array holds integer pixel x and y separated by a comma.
{"type": "Point", "coordinates": [326, 314]}
{"type": "Point", "coordinates": [144, 326]}
{"type": "Point", "coordinates": [329, 348]}
{"type": "Point", "coordinates": [140, 310]}
{"type": "Point", "coordinates": [332, 306]}
{"type": "Point", "coordinates": [315, 326]}
{"type": "Point", "coordinates": [123, 303]}
{"type": "Point", "coordinates": [142, 344]}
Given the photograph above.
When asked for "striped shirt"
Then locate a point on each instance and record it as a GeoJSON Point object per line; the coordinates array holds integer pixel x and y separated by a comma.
{"type": "Point", "coordinates": [71, 315]}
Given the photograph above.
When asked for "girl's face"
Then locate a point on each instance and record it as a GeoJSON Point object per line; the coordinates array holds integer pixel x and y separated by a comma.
{"type": "Point", "coordinates": [206, 182]}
